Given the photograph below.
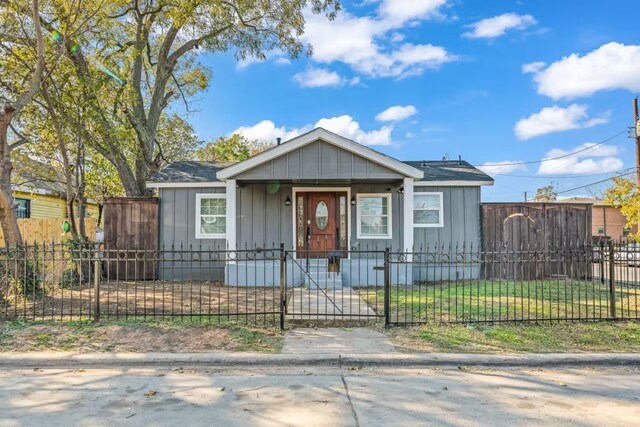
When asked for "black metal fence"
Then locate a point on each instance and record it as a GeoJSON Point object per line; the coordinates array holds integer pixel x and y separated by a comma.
{"type": "Point", "coordinates": [275, 286]}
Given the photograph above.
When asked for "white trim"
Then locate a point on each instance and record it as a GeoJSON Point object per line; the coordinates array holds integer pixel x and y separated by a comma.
{"type": "Point", "coordinates": [407, 214]}
{"type": "Point", "coordinates": [212, 184]}
{"type": "Point", "coordinates": [389, 235]}
{"type": "Point", "coordinates": [199, 198]}
{"type": "Point", "coordinates": [326, 136]}
{"type": "Point", "coordinates": [294, 200]}
{"type": "Point", "coordinates": [440, 224]}
{"type": "Point", "coordinates": [232, 231]}
{"type": "Point", "coordinates": [452, 183]}
{"type": "Point", "coordinates": [34, 191]}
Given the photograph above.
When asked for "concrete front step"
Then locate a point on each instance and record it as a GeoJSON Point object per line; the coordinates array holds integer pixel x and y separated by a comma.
{"type": "Point", "coordinates": [323, 279]}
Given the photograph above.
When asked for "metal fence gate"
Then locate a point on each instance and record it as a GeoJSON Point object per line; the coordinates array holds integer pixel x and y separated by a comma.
{"type": "Point", "coordinates": [333, 286]}
{"type": "Point", "coordinates": [278, 287]}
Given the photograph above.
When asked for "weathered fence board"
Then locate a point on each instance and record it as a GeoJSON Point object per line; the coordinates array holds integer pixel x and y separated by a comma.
{"type": "Point", "coordinates": [48, 230]}
{"type": "Point", "coordinates": [131, 229]}
{"type": "Point", "coordinates": [549, 228]}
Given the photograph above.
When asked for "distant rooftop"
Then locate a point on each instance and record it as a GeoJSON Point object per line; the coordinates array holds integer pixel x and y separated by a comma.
{"type": "Point", "coordinates": [190, 171]}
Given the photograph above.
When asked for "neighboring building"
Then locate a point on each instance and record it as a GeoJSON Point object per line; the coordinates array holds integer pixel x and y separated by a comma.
{"type": "Point", "coordinates": [39, 192]}
{"type": "Point", "coordinates": [317, 192]}
{"type": "Point", "coordinates": [38, 202]}
{"type": "Point", "coordinates": [607, 220]}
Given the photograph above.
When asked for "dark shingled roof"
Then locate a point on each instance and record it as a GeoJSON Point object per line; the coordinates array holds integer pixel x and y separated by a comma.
{"type": "Point", "coordinates": [450, 170]}
{"type": "Point", "coordinates": [189, 172]}
{"type": "Point", "coordinates": [186, 172]}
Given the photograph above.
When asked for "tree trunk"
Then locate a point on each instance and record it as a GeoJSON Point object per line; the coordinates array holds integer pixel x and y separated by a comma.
{"type": "Point", "coordinates": [8, 215]}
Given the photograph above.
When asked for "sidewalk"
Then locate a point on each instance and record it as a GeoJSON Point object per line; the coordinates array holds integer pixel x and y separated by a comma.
{"type": "Point", "coordinates": [99, 360]}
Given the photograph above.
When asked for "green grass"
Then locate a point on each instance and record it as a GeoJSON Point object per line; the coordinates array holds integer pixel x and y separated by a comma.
{"type": "Point", "coordinates": [505, 301]}
{"type": "Point", "coordinates": [521, 338]}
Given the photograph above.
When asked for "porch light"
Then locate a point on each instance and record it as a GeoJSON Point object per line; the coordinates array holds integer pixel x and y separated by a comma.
{"type": "Point", "coordinates": [353, 200]}
{"type": "Point", "coordinates": [287, 201]}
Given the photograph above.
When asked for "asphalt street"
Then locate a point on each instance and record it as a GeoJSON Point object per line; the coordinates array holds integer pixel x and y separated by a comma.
{"type": "Point", "coordinates": [319, 396]}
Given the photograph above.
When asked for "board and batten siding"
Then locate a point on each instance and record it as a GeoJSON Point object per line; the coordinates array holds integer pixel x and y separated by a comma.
{"type": "Point", "coordinates": [178, 219]}
{"type": "Point", "coordinates": [461, 210]}
{"type": "Point", "coordinates": [178, 232]}
{"type": "Point", "coordinates": [263, 220]}
{"type": "Point", "coordinates": [319, 160]}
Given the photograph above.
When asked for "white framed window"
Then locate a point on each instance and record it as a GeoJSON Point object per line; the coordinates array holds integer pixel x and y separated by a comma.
{"type": "Point", "coordinates": [211, 216]}
{"type": "Point", "coordinates": [374, 216]}
{"type": "Point", "coordinates": [428, 210]}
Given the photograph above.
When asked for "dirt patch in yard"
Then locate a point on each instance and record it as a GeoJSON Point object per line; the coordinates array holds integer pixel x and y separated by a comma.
{"type": "Point", "coordinates": [149, 299]}
{"type": "Point", "coordinates": [137, 337]}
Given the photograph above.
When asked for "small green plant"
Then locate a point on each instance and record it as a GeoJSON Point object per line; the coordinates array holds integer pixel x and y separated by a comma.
{"type": "Point", "coordinates": [70, 278]}
{"type": "Point", "coordinates": [20, 278]}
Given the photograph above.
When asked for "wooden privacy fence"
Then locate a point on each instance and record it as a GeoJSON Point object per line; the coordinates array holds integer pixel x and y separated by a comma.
{"type": "Point", "coordinates": [48, 230]}
{"type": "Point", "coordinates": [131, 232]}
{"type": "Point", "coordinates": [552, 229]}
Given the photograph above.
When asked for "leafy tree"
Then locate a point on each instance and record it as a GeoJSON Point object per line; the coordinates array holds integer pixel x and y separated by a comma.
{"type": "Point", "coordinates": [546, 194]}
{"type": "Point", "coordinates": [20, 74]}
{"type": "Point", "coordinates": [230, 149]}
{"type": "Point", "coordinates": [142, 57]}
{"type": "Point", "coordinates": [624, 195]}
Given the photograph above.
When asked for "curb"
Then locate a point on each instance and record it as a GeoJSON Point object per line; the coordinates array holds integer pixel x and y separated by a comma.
{"type": "Point", "coordinates": [125, 360]}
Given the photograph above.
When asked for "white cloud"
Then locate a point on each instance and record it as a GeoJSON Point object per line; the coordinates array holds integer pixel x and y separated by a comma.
{"type": "Point", "coordinates": [282, 61]}
{"type": "Point", "coordinates": [612, 66]}
{"type": "Point", "coordinates": [557, 119]}
{"type": "Point", "coordinates": [533, 67]}
{"type": "Point", "coordinates": [267, 131]}
{"type": "Point", "coordinates": [318, 77]}
{"type": "Point", "coordinates": [274, 54]}
{"type": "Point", "coordinates": [397, 37]}
{"type": "Point", "coordinates": [402, 10]}
{"type": "Point", "coordinates": [349, 128]}
{"type": "Point", "coordinates": [600, 159]}
{"type": "Point", "coordinates": [506, 166]}
{"type": "Point", "coordinates": [499, 25]}
{"type": "Point", "coordinates": [397, 113]}
{"type": "Point", "coordinates": [344, 125]}
{"type": "Point", "coordinates": [363, 43]}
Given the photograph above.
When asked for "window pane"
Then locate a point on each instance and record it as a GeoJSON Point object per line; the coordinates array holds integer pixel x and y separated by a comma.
{"type": "Point", "coordinates": [373, 206]}
{"type": "Point", "coordinates": [374, 226]}
{"type": "Point", "coordinates": [213, 206]}
{"type": "Point", "coordinates": [213, 225]}
{"type": "Point", "coordinates": [426, 217]}
{"type": "Point", "coordinates": [430, 201]}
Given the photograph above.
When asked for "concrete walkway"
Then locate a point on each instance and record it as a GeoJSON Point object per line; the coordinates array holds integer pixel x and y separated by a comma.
{"type": "Point", "coordinates": [327, 304]}
{"type": "Point", "coordinates": [337, 340]}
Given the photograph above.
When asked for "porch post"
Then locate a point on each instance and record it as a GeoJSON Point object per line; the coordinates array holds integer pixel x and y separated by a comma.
{"type": "Point", "coordinates": [231, 215]}
{"type": "Point", "coordinates": [407, 220]}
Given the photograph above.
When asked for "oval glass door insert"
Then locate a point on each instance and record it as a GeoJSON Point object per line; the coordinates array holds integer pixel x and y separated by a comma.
{"type": "Point", "coordinates": [322, 216]}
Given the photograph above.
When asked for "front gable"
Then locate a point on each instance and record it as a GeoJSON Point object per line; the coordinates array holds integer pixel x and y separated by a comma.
{"type": "Point", "coordinates": [319, 154]}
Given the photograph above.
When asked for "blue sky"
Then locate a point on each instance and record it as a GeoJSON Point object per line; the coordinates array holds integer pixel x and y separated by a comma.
{"type": "Point", "coordinates": [493, 81]}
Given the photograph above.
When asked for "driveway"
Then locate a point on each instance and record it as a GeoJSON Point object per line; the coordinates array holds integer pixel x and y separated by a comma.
{"type": "Point", "coordinates": [319, 397]}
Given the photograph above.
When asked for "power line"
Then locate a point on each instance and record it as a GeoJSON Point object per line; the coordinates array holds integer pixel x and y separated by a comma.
{"type": "Point", "coordinates": [591, 147]}
{"type": "Point", "coordinates": [594, 183]}
{"type": "Point", "coordinates": [561, 177]}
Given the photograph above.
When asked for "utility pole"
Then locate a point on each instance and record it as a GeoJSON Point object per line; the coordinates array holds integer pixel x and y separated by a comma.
{"type": "Point", "coordinates": [636, 133]}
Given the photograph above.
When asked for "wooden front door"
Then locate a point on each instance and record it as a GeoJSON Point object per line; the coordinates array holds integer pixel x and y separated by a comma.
{"type": "Point", "coordinates": [321, 221]}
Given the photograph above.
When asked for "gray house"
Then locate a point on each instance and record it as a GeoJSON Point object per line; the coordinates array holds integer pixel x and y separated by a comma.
{"type": "Point", "coordinates": [319, 193]}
